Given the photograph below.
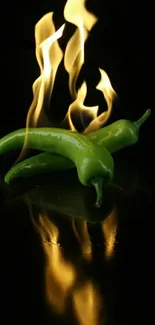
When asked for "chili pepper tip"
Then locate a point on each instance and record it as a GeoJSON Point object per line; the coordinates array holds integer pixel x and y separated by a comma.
{"type": "Point", "coordinates": [98, 184]}
{"type": "Point", "coordinates": [143, 118]}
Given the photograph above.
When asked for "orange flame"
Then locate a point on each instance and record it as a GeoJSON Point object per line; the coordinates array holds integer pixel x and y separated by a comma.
{"type": "Point", "coordinates": [109, 229]}
{"type": "Point", "coordinates": [78, 104]}
{"type": "Point", "coordinates": [76, 13]}
{"type": "Point", "coordinates": [49, 56]}
{"type": "Point", "coordinates": [109, 94]}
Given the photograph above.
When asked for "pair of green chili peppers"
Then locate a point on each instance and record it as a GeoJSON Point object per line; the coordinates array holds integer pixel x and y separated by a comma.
{"type": "Point", "coordinates": [63, 149]}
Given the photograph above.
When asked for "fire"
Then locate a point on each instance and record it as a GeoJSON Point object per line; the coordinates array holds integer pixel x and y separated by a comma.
{"type": "Point", "coordinates": [109, 229]}
{"type": "Point", "coordinates": [109, 94]}
{"type": "Point", "coordinates": [48, 72]}
{"type": "Point", "coordinates": [49, 56]}
{"type": "Point", "coordinates": [76, 13]}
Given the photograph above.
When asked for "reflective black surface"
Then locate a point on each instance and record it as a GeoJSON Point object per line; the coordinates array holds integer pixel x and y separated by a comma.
{"type": "Point", "coordinates": [65, 261]}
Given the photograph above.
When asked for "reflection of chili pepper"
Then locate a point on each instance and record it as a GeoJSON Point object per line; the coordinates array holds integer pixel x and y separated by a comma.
{"type": "Point", "coordinates": [94, 165]}
{"type": "Point", "coordinates": [68, 199]}
{"type": "Point", "coordinates": [113, 137]}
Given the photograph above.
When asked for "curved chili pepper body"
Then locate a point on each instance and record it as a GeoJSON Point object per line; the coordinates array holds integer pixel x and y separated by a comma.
{"type": "Point", "coordinates": [94, 165]}
{"type": "Point", "coordinates": [39, 164]}
{"type": "Point", "coordinates": [113, 137]}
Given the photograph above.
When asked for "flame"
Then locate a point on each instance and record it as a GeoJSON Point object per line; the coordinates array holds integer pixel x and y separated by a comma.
{"type": "Point", "coordinates": [87, 304]}
{"type": "Point", "coordinates": [81, 232]}
{"type": "Point", "coordinates": [78, 104]}
{"type": "Point", "coordinates": [59, 274]}
{"type": "Point", "coordinates": [49, 56]}
{"type": "Point", "coordinates": [109, 229]}
{"type": "Point", "coordinates": [109, 94]}
{"type": "Point", "coordinates": [76, 13]}
{"type": "Point", "coordinates": [97, 121]}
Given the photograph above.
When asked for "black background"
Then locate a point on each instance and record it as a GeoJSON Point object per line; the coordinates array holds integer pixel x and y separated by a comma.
{"type": "Point", "coordinates": [122, 44]}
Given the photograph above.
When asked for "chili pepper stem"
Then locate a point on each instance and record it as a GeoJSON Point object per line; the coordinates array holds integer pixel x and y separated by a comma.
{"type": "Point", "coordinates": [143, 118]}
{"type": "Point", "coordinates": [98, 184]}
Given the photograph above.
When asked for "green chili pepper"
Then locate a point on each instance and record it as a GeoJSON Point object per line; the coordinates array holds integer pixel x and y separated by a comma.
{"type": "Point", "coordinates": [113, 137]}
{"type": "Point", "coordinates": [94, 165]}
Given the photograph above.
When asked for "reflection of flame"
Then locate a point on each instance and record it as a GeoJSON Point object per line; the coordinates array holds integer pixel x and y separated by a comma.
{"type": "Point", "coordinates": [87, 304]}
{"type": "Point", "coordinates": [109, 228]}
{"type": "Point", "coordinates": [59, 274]}
{"type": "Point", "coordinates": [81, 232]}
{"type": "Point", "coordinates": [62, 278]}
